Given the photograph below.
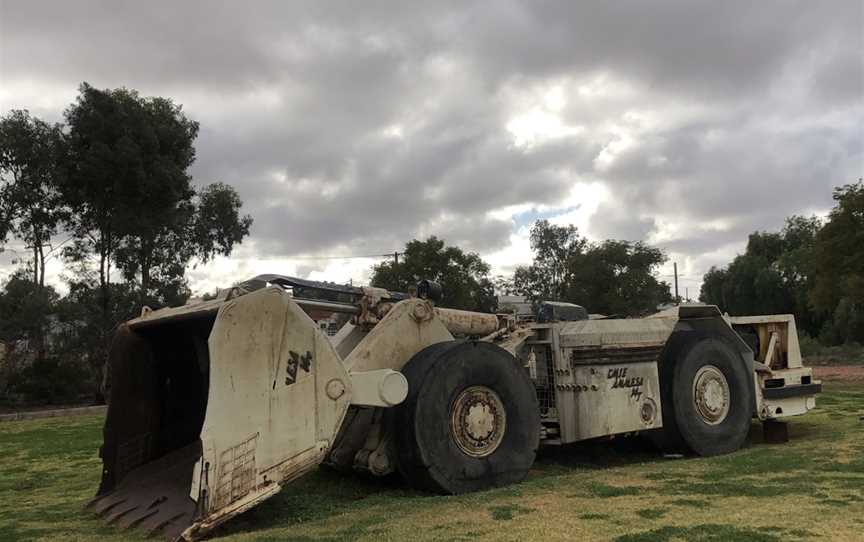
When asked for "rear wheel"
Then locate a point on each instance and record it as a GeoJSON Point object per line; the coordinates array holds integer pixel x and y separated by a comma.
{"type": "Point", "coordinates": [470, 421]}
{"type": "Point", "coordinates": [711, 396]}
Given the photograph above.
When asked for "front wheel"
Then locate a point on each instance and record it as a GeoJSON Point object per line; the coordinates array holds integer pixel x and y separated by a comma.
{"type": "Point", "coordinates": [470, 421]}
{"type": "Point", "coordinates": [712, 396]}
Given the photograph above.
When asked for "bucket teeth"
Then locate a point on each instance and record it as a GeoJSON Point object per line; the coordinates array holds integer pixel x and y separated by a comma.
{"type": "Point", "coordinates": [132, 521]}
{"type": "Point", "coordinates": [104, 504]}
{"type": "Point", "coordinates": [154, 497]}
{"type": "Point", "coordinates": [119, 512]}
{"type": "Point", "coordinates": [150, 512]}
{"type": "Point", "coordinates": [157, 501]}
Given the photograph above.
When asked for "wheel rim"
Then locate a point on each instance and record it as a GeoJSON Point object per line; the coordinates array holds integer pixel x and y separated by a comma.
{"type": "Point", "coordinates": [711, 394]}
{"type": "Point", "coordinates": [478, 421]}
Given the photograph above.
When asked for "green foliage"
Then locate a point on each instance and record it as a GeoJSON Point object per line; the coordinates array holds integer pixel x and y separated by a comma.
{"type": "Point", "coordinates": [56, 347]}
{"type": "Point", "coordinates": [109, 140]}
{"type": "Point", "coordinates": [555, 248]}
{"type": "Point", "coordinates": [52, 380]}
{"type": "Point", "coordinates": [504, 285]}
{"type": "Point", "coordinates": [846, 325]}
{"type": "Point", "coordinates": [30, 205]}
{"type": "Point", "coordinates": [84, 334]}
{"type": "Point", "coordinates": [613, 277]}
{"type": "Point", "coordinates": [128, 180]}
{"type": "Point", "coordinates": [772, 276]}
{"type": "Point", "coordinates": [839, 258]}
{"type": "Point", "coordinates": [217, 224]}
{"type": "Point", "coordinates": [616, 277]}
{"type": "Point", "coordinates": [140, 209]}
{"type": "Point", "coordinates": [115, 178]}
{"type": "Point", "coordinates": [810, 269]}
{"type": "Point", "coordinates": [464, 276]}
{"type": "Point", "coordinates": [838, 287]}
{"type": "Point", "coordinates": [207, 224]}
{"type": "Point", "coordinates": [25, 309]}
{"type": "Point", "coordinates": [816, 353]}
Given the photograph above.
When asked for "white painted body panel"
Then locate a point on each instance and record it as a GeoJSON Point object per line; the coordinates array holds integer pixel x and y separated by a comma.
{"type": "Point", "coordinates": [269, 417]}
{"type": "Point", "coordinates": [610, 399]}
{"type": "Point", "coordinates": [607, 381]}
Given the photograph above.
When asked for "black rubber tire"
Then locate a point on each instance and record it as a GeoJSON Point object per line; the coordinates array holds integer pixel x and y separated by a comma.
{"type": "Point", "coordinates": [700, 437]}
{"type": "Point", "coordinates": [428, 457]}
{"type": "Point", "coordinates": [668, 439]}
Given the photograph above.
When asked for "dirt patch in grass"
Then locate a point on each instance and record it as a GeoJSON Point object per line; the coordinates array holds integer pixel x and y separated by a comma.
{"type": "Point", "coordinates": [593, 516]}
{"type": "Point", "coordinates": [840, 373]}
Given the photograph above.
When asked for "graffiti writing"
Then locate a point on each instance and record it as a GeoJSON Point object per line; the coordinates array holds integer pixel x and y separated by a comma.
{"type": "Point", "coordinates": [619, 378]}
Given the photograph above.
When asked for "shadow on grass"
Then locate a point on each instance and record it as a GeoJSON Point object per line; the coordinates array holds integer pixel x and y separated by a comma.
{"type": "Point", "coordinates": [318, 496]}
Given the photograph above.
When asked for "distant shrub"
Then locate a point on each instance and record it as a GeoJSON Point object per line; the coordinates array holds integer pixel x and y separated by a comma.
{"type": "Point", "coordinates": [49, 381]}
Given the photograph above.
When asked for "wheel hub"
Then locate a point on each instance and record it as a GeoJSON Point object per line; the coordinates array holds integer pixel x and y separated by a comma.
{"type": "Point", "coordinates": [478, 421]}
{"type": "Point", "coordinates": [711, 395]}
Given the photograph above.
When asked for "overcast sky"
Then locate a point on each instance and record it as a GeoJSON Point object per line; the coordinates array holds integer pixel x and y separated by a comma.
{"type": "Point", "coordinates": [349, 128]}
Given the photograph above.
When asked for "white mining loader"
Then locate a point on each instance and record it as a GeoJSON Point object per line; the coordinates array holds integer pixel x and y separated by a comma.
{"type": "Point", "coordinates": [215, 406]}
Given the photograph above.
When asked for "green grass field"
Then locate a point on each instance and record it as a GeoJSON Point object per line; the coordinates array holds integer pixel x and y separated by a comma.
{"type": "Point", "coordinates": [809, 488]}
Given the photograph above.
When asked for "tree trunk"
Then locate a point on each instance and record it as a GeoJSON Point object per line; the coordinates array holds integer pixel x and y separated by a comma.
{"type": "Point", "coordinates": [145, 280]}
{"type": "Point", "coordinates": [104, 279]}
{"type": "Point", "coordinates": [35, 263]}
{"type": "Point", "coordinates": [107, 323]}
{"type": "Point", "coordinates": [38, 282]}
{"type": "Point", "coordinates": [144, 254]}
{"type": "Point", "coordinates": [41, 266]}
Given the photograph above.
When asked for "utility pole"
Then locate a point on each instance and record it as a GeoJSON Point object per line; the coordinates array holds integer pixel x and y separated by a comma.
{"type": "Point", "coordinates": [675, 269]}
{"type": "Point", "coordinates": [396, 269]}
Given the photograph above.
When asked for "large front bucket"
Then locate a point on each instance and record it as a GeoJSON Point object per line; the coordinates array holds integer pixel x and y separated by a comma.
{"type": "Point", "coordinates": [212, 407]}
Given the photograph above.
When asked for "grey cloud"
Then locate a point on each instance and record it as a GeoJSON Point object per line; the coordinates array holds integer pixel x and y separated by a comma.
{"type": "Point", "coordinates": [715, 238]}
{"type": "Point", "coordinates": [760, 104]}
{"type": "Point", "coordinates": [704, 47]}
{"type": "Point", "coordinates": [613, 221]}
